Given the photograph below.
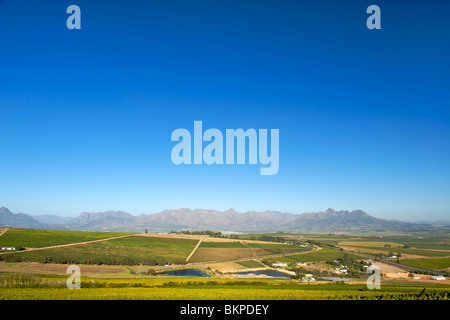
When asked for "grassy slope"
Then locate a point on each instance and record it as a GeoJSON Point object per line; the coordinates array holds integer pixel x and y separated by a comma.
{"type": "Point", "coordinates": [222, 245]}
{"type": "Point", "coordinates": [130, 250]}
{"type": "Point", "coordinates": [251, 264]}
{"type": "Point", "coordinates": [32, 238]}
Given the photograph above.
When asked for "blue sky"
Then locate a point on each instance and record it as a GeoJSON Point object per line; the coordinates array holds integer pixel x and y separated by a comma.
{"type": "Point", "coordinates": [86, 115]}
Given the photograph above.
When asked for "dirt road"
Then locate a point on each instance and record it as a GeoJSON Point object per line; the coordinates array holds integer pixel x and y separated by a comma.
{"type": "Point", "coordinates": [196, 247]}
{"type": "Point", "coordinates": [3, 230]}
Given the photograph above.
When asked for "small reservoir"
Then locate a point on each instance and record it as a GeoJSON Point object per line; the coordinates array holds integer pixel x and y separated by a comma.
{"type": "Point", "coordinates": [186, 273]}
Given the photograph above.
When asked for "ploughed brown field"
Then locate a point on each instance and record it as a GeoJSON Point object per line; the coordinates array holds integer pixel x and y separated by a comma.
{"type": "Point", "coordinates": [226, 254]}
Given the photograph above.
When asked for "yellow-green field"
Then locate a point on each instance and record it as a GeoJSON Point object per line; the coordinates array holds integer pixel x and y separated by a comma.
{"type": "Point", "coordinates": [213, 293]}
{"type": "Point", "coordinates": [217, 289]}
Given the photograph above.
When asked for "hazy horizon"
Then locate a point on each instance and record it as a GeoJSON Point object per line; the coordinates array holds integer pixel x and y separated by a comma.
{"type": "Point", "coordinates": [212, 209]}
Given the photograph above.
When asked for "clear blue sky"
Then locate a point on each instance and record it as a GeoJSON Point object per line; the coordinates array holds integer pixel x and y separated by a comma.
{"type": "Point", "coordinates": [364, 115]}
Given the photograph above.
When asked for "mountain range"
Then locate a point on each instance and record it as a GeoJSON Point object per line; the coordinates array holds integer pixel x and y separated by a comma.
{"type": "Point", "coordinates": [328, 221]}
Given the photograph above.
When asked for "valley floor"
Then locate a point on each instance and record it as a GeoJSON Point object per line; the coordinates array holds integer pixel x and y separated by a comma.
{"type": "Point", "coordinates": [117, 268]}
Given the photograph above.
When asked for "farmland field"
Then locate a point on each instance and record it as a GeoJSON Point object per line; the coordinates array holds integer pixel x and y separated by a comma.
{"type": "Point", "coordinates": [251, 264]}
{"type": "Point", "coordinates": [221, 289]}
{"type": "Point", "coordinates": [402, 243]}
{"type": "Point", "coordinates": [226, 254]}
{"type": "Point", "coordinates": [119, 268]}
{"type": "Point", "coordinates": [129, 251]}
{"type": "Point", "coordinates": [325, 254]}
{"type": "Point", "coordinates": [377, 244]}
{"type": "Point", "coordinates": [211, 244]}
{"type": "Point", "coordinates": [273, 246]}
{"type": "Point", "coordinates": [32, 238]}
{"type": "Point", "coordinates": [410, 251]}
{"type": "Point", "coordinates": [423, 243]}
{"type": "Point", "coordinates": [433, 264]}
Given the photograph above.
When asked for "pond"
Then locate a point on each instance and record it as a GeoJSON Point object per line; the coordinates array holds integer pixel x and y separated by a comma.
{"type": "Point", "coordinates": [267, 273]}
{"type": "Point", "coordinates": [186, 273]}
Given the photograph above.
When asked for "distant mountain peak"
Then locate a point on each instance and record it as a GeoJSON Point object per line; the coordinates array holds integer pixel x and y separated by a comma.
{"type": "Point", "coordinates": [89, 217]}
{"type": "Point", "coordinates": [360, 213]}
{"type": "Point", "coordinates": [330, 220]}
{"type": "Point", "coordinates": [5, 210]}
{"type": "Point", "coordinates": [331, 213]}
{"type": "Point", "coordinates": [9, 219]}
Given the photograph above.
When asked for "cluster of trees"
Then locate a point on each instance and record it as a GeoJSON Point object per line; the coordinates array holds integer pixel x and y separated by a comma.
{"type": "Point", "coordinates": [405, 246]}
{"type": "Point", "coordinates": [391, 254]}
{"type": "Point", "coordinates": [318, 243]}
{"type": "Point", "coordinates": [210, 233]}
{"type": "Point", "coordinates": [268, 238]}
{"type": "Point", "coordinates": [217, 234]}
{"type": "Point", "coordinates": [297, 242]}
{"type": "Point", "coordinates": [433, 273]}
{"type": "Point", "coordinates": [355, 268]}
{"type": "Point", "coordinates": [300, 272]}
{"type": "Point", "coordinates": [111, 285]}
